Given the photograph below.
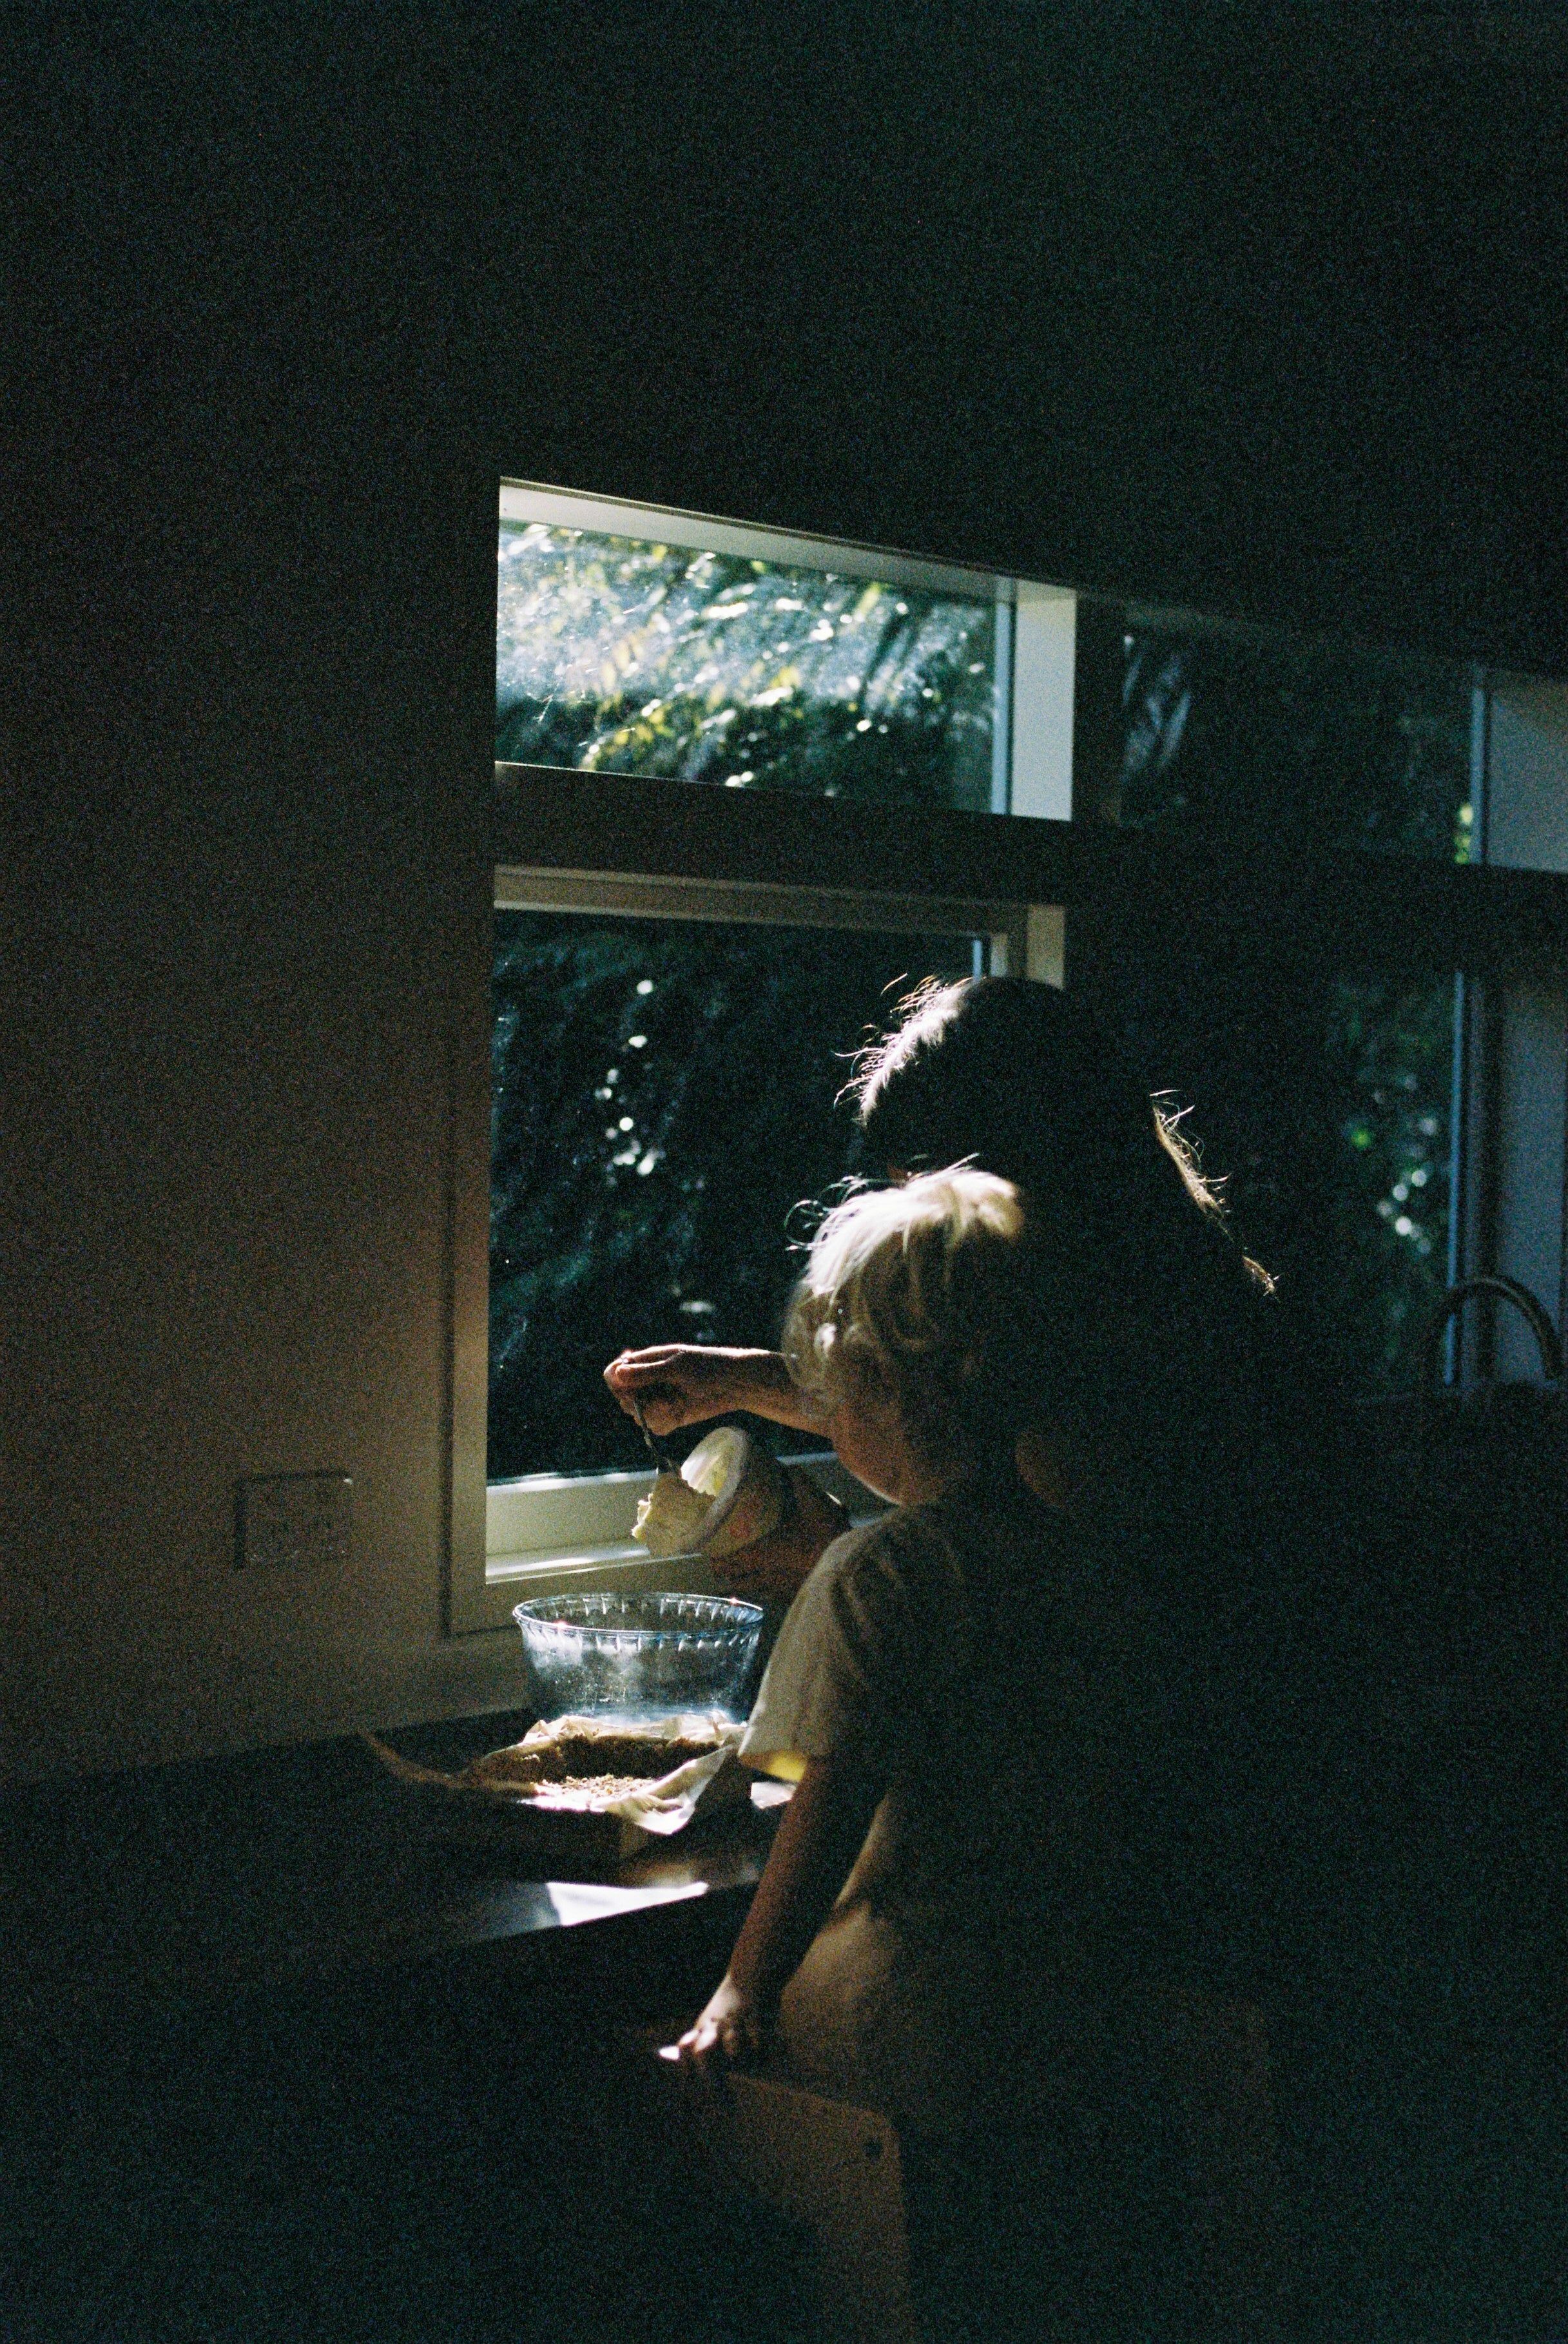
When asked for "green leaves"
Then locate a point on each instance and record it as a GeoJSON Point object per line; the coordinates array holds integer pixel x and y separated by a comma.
{"type": "Point", "coordinates": [618, 656]}
{"type": "Point", "coordinates": [664, 1099]}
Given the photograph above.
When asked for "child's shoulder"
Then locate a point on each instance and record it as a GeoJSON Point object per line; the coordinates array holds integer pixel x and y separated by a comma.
{"type": "Point", "coordinates": [886, 1550]}
{"type": "Point", "coordinates": [992, 1508]}
{"type": "Point", "coordinates": [974, 1526]}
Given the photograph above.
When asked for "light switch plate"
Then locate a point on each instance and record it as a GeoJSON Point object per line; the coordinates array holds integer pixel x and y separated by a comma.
{"type": "Point", "coordinates": [301, 1522]}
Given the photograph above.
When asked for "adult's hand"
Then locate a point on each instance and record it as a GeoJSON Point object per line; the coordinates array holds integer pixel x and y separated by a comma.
{"type": "Point", "coordinates": [678, 1384]}
{"type": "Point", "coordinates": [772, 1570]}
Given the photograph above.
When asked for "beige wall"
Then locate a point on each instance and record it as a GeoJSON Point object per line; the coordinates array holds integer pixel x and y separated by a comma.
{"type": "Point", "coordinates": [246, 924]}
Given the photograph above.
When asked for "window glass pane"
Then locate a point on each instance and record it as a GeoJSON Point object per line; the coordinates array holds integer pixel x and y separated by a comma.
{"type": "Point", "coordinates": [1324, 1105]}
{"type": "Point", "coordinates": [1295, 745]}
{"type": "Point", "coordinates": [663, 1097]}
{"type": "Point", "coordinates": [616, 655]}
{"type": "Point", "coordinates": [1527, 773]}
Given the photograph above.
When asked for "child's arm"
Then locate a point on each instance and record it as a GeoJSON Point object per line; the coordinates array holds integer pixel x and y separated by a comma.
{"type": "Point", "coordinates": [821, 1832]}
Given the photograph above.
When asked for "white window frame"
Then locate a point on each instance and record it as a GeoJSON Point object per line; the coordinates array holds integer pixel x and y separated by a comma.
{"type": "Point", "coordinates": [526, 500]}
{"type": "Point", "coordinates": [551, 1534]}
{"type": "Point", "coordinates": [555, 1533]}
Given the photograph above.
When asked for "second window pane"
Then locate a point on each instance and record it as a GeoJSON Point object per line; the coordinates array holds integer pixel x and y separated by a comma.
{"type": "Point", "coordinates": [1294, 746]}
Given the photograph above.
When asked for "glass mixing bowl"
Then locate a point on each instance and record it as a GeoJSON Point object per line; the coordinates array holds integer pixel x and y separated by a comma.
{"type": "Point", "coordinates": [639, 1655]}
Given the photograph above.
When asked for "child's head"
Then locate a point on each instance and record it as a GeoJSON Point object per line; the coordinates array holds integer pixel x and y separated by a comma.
{"type": "Point", "coordinates": [910, 1297]}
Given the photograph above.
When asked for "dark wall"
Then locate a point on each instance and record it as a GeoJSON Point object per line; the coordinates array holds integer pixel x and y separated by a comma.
{"type": "Point", "coordinates": [1257, 310]}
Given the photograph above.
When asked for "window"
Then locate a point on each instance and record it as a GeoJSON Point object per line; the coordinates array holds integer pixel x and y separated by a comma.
{"type": "Point", "coordinates": [681, 648]}
{"type": "Point", "coordinates": [1295, 743]}
{"type": "Point", "coordinates": [668, 1043]}
{"type": "Point", "coordinates": [747, 786]}
{"type": "Point", "coordinates": [622, 655]}
{"type": "Point", "coordinates": [666, 1071]}
{"type": "Point", "coordinates": [666, 1092]}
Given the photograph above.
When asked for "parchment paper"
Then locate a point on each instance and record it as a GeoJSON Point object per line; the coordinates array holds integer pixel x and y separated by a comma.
{"type": "Point", "coordinates": [599, 1829]}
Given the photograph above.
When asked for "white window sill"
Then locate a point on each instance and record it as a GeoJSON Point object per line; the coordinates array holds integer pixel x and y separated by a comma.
{"type": "Point", "coordinates": [542, 1541]}
{"type": "Point", "coordinates": [590, 1571]}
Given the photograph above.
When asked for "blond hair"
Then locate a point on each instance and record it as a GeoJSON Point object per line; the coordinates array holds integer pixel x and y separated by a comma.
{"type": "Point", "coordinates": [914, 1290]}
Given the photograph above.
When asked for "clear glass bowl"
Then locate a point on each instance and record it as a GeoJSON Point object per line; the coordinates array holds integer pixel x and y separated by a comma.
{"type": "Point", "coordinates": [639, 1655]}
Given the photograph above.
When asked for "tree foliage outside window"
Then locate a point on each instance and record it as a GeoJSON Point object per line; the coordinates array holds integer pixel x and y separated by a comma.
{"type": "Point", "coordinates": [1389, 1056]}
{"type": "Point", "coordinates": [619, 656]}
{"type": "Point", "coordinates": [1323, 1104]}
{"type": "Point", "coordinates": [1295, 746]}
{"type": "Point", "coordinates": [663, 1107]}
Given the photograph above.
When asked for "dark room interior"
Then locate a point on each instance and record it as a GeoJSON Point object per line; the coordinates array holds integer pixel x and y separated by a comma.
{"type": "Point", "coordinates": [1235, 332]}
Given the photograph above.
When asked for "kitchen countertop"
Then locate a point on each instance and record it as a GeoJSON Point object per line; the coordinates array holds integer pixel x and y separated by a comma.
{"type": "Point", "coordinates": [180, 1885]}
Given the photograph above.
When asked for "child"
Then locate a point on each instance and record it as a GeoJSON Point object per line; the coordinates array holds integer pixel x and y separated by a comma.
{"type": "Point", "coordinates": [924, 1931]}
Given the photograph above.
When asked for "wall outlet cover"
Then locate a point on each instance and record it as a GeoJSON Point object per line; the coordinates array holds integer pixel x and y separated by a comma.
{"type": "Point", "coordinates": [296, 1521]}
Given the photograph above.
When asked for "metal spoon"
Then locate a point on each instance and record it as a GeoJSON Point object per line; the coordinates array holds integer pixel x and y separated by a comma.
{"type": "Point", "coordinates": [658, 1450]}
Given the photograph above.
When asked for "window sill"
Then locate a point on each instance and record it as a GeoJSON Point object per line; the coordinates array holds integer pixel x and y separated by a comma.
{"type": "Point", "coordinates": [593, 1571]}
{"type": "Point", "coordinates": [567, 1566]}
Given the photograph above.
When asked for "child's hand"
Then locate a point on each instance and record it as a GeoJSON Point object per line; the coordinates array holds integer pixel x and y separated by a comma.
{"type": "Point", "coordinates": [729, 2032]}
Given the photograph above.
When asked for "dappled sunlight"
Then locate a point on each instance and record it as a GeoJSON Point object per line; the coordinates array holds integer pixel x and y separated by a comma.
{"type": "Point", "coordinates": [619, 655]}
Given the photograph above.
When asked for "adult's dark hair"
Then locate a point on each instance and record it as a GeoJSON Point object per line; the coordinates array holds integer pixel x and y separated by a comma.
{"type": "Point", "coordinates": [1152, 1349]}
{"type": "Point", "coordinates": [1146, 1308]}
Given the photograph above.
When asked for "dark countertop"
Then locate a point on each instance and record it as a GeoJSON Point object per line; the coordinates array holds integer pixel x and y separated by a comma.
{"type": "Point", "coordinates": [183, 1884]}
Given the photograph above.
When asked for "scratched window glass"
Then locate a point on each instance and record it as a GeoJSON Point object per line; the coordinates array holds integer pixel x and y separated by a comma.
{"type": "Point", "coordinates": [663, 1103]}
{"type": "Point", "coordinates": [619, 655]}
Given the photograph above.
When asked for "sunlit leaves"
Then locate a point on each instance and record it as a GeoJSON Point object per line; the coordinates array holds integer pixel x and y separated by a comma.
{"type": "Point", "coordinates": [618, 656]}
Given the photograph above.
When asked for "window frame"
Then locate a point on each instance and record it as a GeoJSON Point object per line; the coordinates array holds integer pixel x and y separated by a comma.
{"type": "Point", "coordinates": [1058, 892]}
{"type": "Point", "coordinates": [554, 1534]}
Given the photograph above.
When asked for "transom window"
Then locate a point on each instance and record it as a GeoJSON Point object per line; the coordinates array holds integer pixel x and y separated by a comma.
{"type": "Point", "coordinates": [690, 650]}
